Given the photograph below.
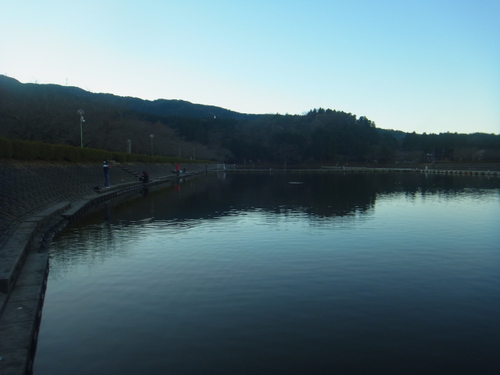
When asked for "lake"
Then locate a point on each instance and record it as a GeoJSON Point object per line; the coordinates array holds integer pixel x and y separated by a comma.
{"type": "Point", "coordinates": [286, 273]}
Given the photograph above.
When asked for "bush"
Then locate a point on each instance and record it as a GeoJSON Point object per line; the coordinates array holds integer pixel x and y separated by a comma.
{"type": "Point", "coordinates": [46, 151]}
{"type": "Point", "coordinates": [25, 150]}
{"type": "Point", "coordinates": [5, 148]}
{"type": "Point", "coordinates": [35, 150]}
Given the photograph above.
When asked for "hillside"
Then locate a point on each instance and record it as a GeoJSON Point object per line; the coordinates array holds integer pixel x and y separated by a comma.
{"type": "Point", "coordinates": [48, 113]}
{"type": "Point", "coordinates": [160, 107]}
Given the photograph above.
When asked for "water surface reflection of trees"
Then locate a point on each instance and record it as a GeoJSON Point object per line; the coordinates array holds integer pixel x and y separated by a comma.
{"type": "Point", "coordinates": [320, 195]}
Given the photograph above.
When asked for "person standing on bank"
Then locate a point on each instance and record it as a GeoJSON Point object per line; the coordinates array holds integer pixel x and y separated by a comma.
{"type": "Point", "coordinates": [106, 167]}
{"type": "Point", "coordinates": [178, 169]}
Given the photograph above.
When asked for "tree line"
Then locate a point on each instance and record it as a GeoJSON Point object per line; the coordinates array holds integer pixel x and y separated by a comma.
{"type": "Point", "coordinates": [330, 136]}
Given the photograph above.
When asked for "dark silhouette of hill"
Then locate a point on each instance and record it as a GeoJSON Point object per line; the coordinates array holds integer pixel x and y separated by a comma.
{"type": "Point", "coordinates": [48, 113]}
{"type": "Point", "coordinates": [160, 107]}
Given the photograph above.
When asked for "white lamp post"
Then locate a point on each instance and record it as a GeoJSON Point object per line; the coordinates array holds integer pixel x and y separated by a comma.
{"type": "Point", "coordinates": [82, 120]}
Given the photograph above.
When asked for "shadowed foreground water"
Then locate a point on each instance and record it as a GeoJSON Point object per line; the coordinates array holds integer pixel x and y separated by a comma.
{"type": "Point", "coordinates": [281, 274]}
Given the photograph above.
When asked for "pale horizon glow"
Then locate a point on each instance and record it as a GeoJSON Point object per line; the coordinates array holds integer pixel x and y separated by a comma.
{"type": "Point", "coordinates": [424, 66]}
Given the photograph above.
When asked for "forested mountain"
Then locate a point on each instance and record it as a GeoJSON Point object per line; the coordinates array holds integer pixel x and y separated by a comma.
{"type": "Point", "coordinates": [48, 113]}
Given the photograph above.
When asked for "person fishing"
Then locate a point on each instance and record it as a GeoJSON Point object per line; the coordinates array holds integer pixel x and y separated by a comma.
{"type": "Point", "coordinates": [106, 168]}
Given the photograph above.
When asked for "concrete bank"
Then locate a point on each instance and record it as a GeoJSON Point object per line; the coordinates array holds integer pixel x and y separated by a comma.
{"type": "Point", "coordinates": [37, 200]}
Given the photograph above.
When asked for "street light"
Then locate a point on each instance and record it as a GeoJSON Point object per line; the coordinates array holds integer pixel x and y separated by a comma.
{"type": "Point", "coordinates": [82, 120]}
{"type": "Point", "coordinates": [152, 136]}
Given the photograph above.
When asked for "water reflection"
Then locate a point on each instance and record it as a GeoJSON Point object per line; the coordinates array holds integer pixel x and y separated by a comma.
{"type": "Point", "coordinates": [317, 195]}
{"type": "Point", "coordinates": [324, 200]}
{"type": "Point", "coordinates": [332, 273]}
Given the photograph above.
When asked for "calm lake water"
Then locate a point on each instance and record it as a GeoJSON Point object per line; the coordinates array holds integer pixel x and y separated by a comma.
{"type": "Point", "coordinates": [281, 274]}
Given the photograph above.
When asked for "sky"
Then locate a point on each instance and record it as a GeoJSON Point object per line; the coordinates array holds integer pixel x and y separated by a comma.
{"type": "Point", "coordinates": [426, 66]}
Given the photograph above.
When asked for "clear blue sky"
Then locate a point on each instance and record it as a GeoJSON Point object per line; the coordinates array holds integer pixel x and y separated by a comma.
{"type": "Point", "coordinates": [426, 66]}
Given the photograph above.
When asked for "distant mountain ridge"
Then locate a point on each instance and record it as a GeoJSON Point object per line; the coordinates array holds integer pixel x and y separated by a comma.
{"type": "Point", "coordinates": [160, 107]}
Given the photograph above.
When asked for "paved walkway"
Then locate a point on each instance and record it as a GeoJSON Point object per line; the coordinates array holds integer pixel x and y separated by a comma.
{"type": "Point", "coordinates": [32, 196]}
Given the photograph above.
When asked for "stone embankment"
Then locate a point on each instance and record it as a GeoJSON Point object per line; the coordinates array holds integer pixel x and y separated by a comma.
{"type": "Point", "coordinates": [36, 197]}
